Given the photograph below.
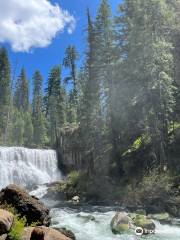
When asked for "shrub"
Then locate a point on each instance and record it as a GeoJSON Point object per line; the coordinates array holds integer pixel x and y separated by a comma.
{"type": "Point", "coordinates": [17, 228]}
{"type": "Point", "coordinates": [153, 188]}
{"type": "Point", "coordinates": [155, 183]}
{"type": "Point", "coordinates": [73, 178]}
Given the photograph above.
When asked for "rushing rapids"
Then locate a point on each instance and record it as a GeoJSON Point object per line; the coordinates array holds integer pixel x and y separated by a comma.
{"type": "Point", "coordinates": [35, 167]}
{"type": "Point", "coordinates": [27, 167]}
{"type": "Point", "coordinates": [98, 226]}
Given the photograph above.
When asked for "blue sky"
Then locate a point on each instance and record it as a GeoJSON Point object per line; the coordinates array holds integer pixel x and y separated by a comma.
{"type": "Point", "coordinates": [44, 58]}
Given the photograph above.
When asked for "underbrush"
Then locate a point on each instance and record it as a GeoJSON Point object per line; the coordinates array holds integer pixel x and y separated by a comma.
{"type": "Point", "coordinates": [19, 222]}
{"type": "Point", "coordinates": [153, 191]}
{"type": "Point", "coordinates": [17, 228]}
{"type": "Point", "coordinates": [90, 188]}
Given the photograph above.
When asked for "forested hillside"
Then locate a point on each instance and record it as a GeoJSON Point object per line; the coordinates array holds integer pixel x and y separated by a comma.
{"type": "Point", "coordinates": [122, 104]}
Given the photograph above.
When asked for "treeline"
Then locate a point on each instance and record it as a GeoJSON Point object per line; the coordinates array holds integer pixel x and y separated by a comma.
{"type": "Point", "coordinates": [36, 123]}
{"type": "Point", "coordinates": [125, 96]}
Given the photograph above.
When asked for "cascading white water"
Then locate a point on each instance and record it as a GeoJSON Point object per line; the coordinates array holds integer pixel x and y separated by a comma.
{"type": "Point", "coordinates": [26, 167]}
{"type": "Point", "coordinates": [100, 228]}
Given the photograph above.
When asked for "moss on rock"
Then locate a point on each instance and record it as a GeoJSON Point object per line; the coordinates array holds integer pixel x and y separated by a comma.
{"type": "Point", "coordinates": [144, 222]}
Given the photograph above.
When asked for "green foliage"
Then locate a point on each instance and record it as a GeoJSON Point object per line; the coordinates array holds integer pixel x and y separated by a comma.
{"type": "Point", "coordinates": [74, 177]}
{"type": "Point", "coordinates": [17, 130]}
{"type": "Point", "coordinates": [155, 183]}
{"type": "Point", "coordinates": [5, 95]}
{"type": "Point", "coordinates": [28, 130]}
{"type": "Point", "coordinates": [69, 61]}
{"type": "Point", "coordinates": [21, 96]}
{"type": "Point", "coordinates": [38, 117]}
{"type": "Point", "coordinates": [138, 143]}
{"type": "Point", "coordinates": [141, 220]}
{"type": "Point", "coordinates": [55, 104]}
{"type": "Point", "coordinates": [174, 126]}
{"type": "Point", "coordinates": [125, 96]}
{"type": "Point", "coordinates": [17, 228]}
{"type": "Point", "coordinates": [153, 187]}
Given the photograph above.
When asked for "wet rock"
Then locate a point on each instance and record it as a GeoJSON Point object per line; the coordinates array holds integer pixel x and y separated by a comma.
{"type": "Point", "coordinates": [87, 218]}
{"type": "Point", "coordinates": [175, 222]}
{"type": "Point", "coordinates": [143, 222]}
{"type": "Point", "coordinates": [140, 211]}
{"type": "Point", "coordinates": [61, 190]}
{"type": "Point", "coordinates": [161, 217]}
{"type": "Point", "coordinates": [49, 234]}
{"type": "Point", "coordinates": [120, 223]}
{"type": "Point", "coordinates": [124, 222]}
{"type": "Point", "coordinates": [32, 208]}
{"type": "Point", "coordinates": [67, 233]}
{"type": "Point", "coordinates": [6, 221]}
{"type": "Point", "coordinates": [76, 199]}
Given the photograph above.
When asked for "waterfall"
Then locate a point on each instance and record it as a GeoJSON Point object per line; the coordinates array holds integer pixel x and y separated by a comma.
{"type": "Point", "coordinates": [27, 167]}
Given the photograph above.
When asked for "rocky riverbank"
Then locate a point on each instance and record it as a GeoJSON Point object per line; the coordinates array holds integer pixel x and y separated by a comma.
{"type": "Point", "coordinates": [153, 203]}
{"type": "Point", "coordinates": [22, 214]}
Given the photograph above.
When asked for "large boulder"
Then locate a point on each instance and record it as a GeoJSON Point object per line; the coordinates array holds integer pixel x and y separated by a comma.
{"type": "Point", "coordinates": [6, 221]}
{"type": "Point", "coordinates": [120, 223]}
{"type": "Point", "coordinates": [143, 222]}
{"type": "Point", "coordinates": [49, 234]}
{"type": "Point", "coordinates": [124, 222]}
{"type": "Point", "coordinates": [30, 207]}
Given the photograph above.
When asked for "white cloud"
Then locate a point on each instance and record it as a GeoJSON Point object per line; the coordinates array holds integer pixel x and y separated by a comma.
{"type": "Point", "coordinates": [26, 24]}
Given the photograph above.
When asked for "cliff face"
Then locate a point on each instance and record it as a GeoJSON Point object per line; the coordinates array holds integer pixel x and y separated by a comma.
{"type": "Point", "coordinates": [73, 155]}
{"type": "Point", "coordinates": [69, 148]}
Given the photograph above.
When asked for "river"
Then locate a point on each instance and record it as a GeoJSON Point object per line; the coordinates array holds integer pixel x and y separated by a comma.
{"type": "Point", "coordinates": [93, 222]}
{"type": "Point", "coordinates": [27, 167]}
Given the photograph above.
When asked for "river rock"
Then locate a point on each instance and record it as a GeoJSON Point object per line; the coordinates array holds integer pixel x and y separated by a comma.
{"type": "Point", "coordinates": [161, 217]}
{"type": "Point", "coordinates": [6, 221]}
{"type": "Point", "coordinates": [67, 233]}
{"type": "Point", "coordinates": [140, 211]}
{"type": "Point", "coordinates": [76, 199]}
{"type": "Point", "coordinates": [143, 222]}
{"type": "Point", "coordinates": [50, 234]}
{"type": "Point", "coordinates": [87, 218]}
{"type": "Point", "coordinates": [120, 223]}
{"type": "Point", "coordinates": [123, 222]}
{"type": "Point", "coordinates": [175, 222]}
{"type": "Point", "coordinates": [32, 208]}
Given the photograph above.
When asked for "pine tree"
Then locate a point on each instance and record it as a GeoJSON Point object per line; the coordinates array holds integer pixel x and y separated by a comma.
{"type": "Point", "coordinates": [17, 130]}
{"type": "Point", "coordinates": [5, 95]}
{"type": "Point", "coordinates": [28, 130]}
{"type": "Point", "coordinates": [147, 63]}
{"type": "Point", "coordinates": [69, 61]}
{"type": "Point", "coordinates": [21, 96]}
{"type": "Point", "coordinates": [38, 116]}
{"type": "Point", "coordinates": [91, 118]}
{"type": "Point", "coordinates": [55, 103]}
{"type": "Point", "coordinates": [105, 61]}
